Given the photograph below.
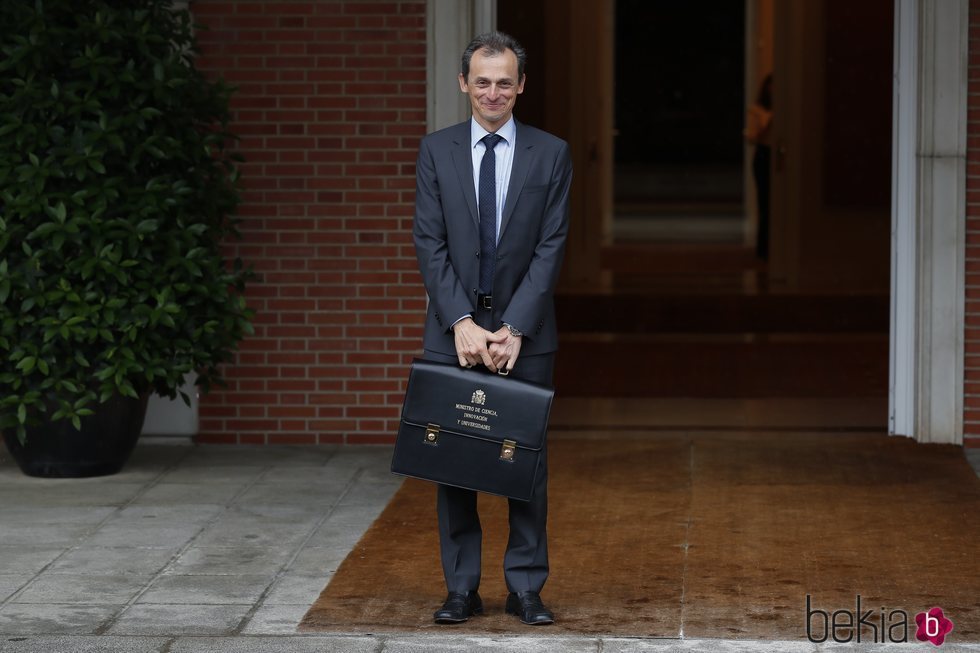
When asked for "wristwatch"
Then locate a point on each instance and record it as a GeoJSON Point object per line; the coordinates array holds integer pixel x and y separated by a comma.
{"type": "Point", "coordinates": [513, 331]}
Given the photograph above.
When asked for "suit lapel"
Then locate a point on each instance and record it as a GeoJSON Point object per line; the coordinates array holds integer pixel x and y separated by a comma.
{"type": "Point", "coordinates": [463, 160]}
{"type": "Point", "coordinates": [523, 157]}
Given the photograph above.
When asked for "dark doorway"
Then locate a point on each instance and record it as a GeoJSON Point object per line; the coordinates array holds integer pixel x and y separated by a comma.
{"type": "Point", "coordinates": [679, 112]}
{"type": "Point", "coordinates": [682, 307]}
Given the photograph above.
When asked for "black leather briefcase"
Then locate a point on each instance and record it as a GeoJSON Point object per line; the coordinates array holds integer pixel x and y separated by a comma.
{"type": "Point", "coordinates": [472, 429]}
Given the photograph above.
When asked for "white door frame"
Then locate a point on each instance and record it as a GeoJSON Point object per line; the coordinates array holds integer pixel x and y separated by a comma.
{"type": "Point", "coordinates": [925, 398]}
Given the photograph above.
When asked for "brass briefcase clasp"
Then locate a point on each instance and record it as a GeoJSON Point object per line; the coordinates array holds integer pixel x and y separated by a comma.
{"type": "Point", "coordinates": [507, 450]}
{"type": "Point", "coordinates": [431, 434]}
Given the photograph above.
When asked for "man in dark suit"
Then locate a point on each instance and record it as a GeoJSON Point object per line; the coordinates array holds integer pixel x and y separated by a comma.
{"type": "Point", "coordinates": [491, 217]}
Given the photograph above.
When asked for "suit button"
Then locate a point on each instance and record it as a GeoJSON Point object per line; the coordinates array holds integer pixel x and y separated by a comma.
{"type": "Point", "coordinates": [478, 254]}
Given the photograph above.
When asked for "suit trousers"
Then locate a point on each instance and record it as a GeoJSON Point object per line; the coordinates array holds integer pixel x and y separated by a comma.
{"type": "Point", "coordinates": [460, 532]}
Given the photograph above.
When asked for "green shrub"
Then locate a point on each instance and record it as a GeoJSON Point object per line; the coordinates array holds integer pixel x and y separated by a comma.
{"type": "Point", "coordinates": [117, 187]}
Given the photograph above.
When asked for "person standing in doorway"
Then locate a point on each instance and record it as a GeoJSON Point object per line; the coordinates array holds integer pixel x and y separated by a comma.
{"type": "Point", "coordinates": [758, 133]}
{"type": "Point", "coordinates": [491, 219]}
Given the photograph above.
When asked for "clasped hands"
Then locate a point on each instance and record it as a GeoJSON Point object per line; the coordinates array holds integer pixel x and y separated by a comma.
{"type": "Point", "coordinates": [497, 350]}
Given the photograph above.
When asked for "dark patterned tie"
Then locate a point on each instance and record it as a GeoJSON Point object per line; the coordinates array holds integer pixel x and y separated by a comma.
{"type": "Point", "coordinates": [488, 213]}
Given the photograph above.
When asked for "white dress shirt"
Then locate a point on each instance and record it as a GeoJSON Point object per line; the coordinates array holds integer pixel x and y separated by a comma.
{"type": "Point", "coordinates": [505, 161]}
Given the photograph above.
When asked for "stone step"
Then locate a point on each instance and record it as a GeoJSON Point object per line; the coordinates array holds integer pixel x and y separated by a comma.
{"type": "Point", "coordinates": [606, 365]}
{"type": "Point", "coordinates": [645, 312]}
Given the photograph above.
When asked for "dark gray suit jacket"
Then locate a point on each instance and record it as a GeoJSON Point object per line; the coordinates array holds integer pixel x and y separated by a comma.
{"type": "Point", "coordinates": [529, 249]}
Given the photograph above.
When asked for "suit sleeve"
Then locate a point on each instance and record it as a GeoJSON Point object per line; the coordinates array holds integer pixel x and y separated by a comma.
{"type": "Point", "coordinates": [534, 296]}
{"type": "Point", "coordinates": [431, 244]}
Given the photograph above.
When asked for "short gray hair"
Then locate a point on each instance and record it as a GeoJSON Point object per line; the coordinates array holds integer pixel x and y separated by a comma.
{"type": "Point", "coordinates": [495, 43]}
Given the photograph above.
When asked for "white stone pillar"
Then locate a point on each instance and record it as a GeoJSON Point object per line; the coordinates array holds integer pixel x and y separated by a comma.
{"type": "Point", "coordinates": [450, 26]}
{"type": "Point", "coordinates": [928, 220]}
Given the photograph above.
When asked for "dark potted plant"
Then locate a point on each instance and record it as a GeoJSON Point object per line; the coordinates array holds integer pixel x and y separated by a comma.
{"type": "Point", "coordinates": [117, 189]}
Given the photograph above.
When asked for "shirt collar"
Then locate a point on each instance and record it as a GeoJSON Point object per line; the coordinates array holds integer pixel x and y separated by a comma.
{"type": "Point", "coordinates": [508, 131]}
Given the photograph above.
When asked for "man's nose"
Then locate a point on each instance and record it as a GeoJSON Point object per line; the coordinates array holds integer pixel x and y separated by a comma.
{"type": "Point", "coordinates": [493, 93]}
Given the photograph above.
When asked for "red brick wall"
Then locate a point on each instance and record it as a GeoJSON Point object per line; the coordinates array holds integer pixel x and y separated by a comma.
{"type": "Point", "coordinates": [971, 400]}
{"type": "Point", "coordinates": [330, 107]}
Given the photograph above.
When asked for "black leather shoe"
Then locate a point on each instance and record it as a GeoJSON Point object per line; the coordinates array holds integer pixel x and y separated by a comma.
{"type": "Point", "coordinates": [458, 607]}
{"type": "Point", "coordinates": [528, 606]}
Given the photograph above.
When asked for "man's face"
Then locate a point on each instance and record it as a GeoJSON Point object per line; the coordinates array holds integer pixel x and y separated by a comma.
{"type": "Point", "coordinates": [493, 87]}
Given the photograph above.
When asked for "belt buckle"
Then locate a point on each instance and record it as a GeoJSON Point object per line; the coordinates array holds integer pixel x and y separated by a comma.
{"type": "Point", "coordinates": [486, 301]}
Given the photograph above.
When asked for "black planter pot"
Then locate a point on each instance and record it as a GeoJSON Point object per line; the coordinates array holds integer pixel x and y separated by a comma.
{"type": "Point", "coordinates": [102, 447]}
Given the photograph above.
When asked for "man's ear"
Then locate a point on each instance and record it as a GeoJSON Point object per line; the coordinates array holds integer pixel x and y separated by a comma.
{"type": "Point", "coordinates": [520, 86]}
{"type": "Point", "coordinates": [462, 84]}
